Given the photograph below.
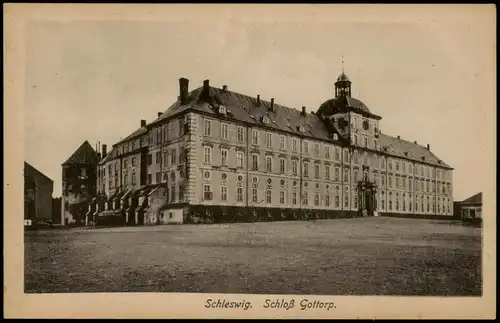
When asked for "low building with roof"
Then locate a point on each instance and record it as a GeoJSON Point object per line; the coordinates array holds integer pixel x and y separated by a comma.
{"type": "Point", "coordinates": [471, 208]}
{"type": "Point", "coordinates": [222, 156]}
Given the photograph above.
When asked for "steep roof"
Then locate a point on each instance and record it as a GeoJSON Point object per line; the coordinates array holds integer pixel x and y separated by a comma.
{"type": "Point", "coordinates": [84, 155]}
{"type": "Point", "coordinates": [250, 110]}
{"type": "Point", "coordinates": [29, 169]}
{"type": "Point", "coordinates": [407, 149]}
{"type": "Point", "coordinates": [478, 198]}
{"type": "Point", "coordinates": [108, 157]}
{"type": "Point", "coordinates": [136, 133]}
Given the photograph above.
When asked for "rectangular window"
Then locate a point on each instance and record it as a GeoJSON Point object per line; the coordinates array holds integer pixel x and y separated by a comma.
{"type": "Point", "coordinates": [254, 195]}
{"type": "Point", "coordinates": [306, 147]}
{"type": "Point", "coordinates": [382, 180]}
{"type": "Point", "coordinates": [125, 164]}
{"type": "Point", "coordinates": [208, 127]}
{"type": "Point", "coordinates": [240, 136]}
{"type": "Point", "coordinates": [316, 149]}
{"type": "Point", "coordinates": [316, 170]}
{"type": "Point", "coordinates": [239, 159]}
{"type": "Point", "coordinates": [327, 172]}
{"type": "Point", "coordinates": [346, 201]}
{"type": "Point", "coordinates": [133, 177]}
{"type": "Point", "coordinates": [255, 162]}
{"type": "Point", "coordinates": [337, 153]}
{"type": "Point", "coordinates": [337, 200]}
{"type": "Point", "coordinates": [294, 167]}
{"type": "Point", "coordinates": [182, 155]}
{"type": "Point", "coordinates": [327, 152]}
{"type": "Point", "coordinates": [282, 197]}
{"type": "Point", "coordinates": [158, 178]}
{"type": "Point", "coordinates": [366, 142]}
{"type": "Point", "coordinates": [346, 175]}
{"type": "Point", "coordinates": [173, 157]}
{"type": "Point", "coordinates": [207, 192]}
{"type": "Point", "coordinates": [268, 196]}
{"type": "Point", "coordinates": [239, 194]}
{"type": "Point", "coordinates": [389, 178]}
{"type": "Point", "coordinates": [150, 179]}
{"type": "Point", "coordinates": [294, 145]}
{"type": "Point", "coordinates": [180, 124]}
{"type": "Point", "coordinates": [327, 200]}
{"type": "Point", "coordinates": [294, 198]}
{"type": "Point", "coordinates": [125, 180]}
{"type": "Point", "coordinates": [224, 130]}
{"type": "Point", "coordinates": [316, 199]}
{"type": "Point", "coordinates": [134, 162]}
{"type": "Point", "coordinates": [269, 141]}
{"type": "Point", "coordinates": [269, 164]}
{"type": "Point", "coordinates": [282, 143]}
{"type": "Point", "coordinates": [207, 154]}
{"type": "Point", "coordinates": [255, 137]}
{"type": "Point", "coordinates": [356, 140]}
{"type": "Point", "coordinates": [165, 133]}
{"type": "Point", "coordinates": [223, 193]}
{"type": "Point", "coordinates": [223, 157]}
{"type": "Point", "coordinates": [305, 199]}
{"type": "Point", "coordinates": [337, 174]}
{"type": "Point", "coordinates": [306, 169]}
{"type": "Point", "coordinates": [282, 165]}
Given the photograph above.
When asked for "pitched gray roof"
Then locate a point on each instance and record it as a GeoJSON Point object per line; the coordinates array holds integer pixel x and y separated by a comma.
{"type": "Point", "coordinates": [250, 110]}
{"type": "Point", "coordinates": [407, 149]}
{"type": "Point", "coordinates": [478, 198]}
{"type": "Point", "coordinates": [84, 155]}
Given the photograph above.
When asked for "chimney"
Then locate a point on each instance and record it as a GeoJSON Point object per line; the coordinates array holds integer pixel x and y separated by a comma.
{"type": "Point", "coordinates": [104, 150]}
{"type": "Point", "coordinates": [415, 142]}
{"type": "Point", "coordinates": [224, 88]}
{"type": "Point", "coordinates": [258, 99]}
{"type": "Point", "coordinates": [428, 147]}
{"type": "Point", "coordinates": [399, 137]}
{"type": "Point", "coordinates": [303, 111]}
{"type": "Point", "coordinates": [271, 107]}
{"type": "Point", "coordinates": [183, 89]}
{"type": "Point", "coordinates": [159, 114]}
{"type": "Point", "coordinates": [206, 87]}
{"type": "Point", "coordinates": [143, 123]}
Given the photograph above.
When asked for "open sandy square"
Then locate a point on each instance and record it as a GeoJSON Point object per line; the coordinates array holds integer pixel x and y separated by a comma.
{"type": "Point", "coordinates": [360, 256]}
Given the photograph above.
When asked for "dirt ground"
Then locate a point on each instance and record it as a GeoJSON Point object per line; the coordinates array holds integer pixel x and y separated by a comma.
{"type": "Point", "coordinates": [360, 256]}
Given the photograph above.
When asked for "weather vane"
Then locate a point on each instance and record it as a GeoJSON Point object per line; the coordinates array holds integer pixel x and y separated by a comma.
{"type": "Point", "coordinates": [342, 63]}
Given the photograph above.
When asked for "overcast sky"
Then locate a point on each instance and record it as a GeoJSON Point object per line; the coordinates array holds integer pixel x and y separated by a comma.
{"type": "Point", "coordinates": [95, 80]}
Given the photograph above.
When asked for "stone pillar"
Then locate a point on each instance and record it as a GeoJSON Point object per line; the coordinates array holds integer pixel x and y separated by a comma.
{"type": "Point", "coordinates": [63, 203]}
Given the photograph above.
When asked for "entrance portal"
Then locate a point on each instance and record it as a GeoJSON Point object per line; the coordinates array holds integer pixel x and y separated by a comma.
{"type": "Point", "coordinates": [367, 198]}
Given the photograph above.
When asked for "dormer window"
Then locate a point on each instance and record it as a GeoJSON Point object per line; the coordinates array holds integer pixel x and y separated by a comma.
{"type": "Point", "coordinates": [265, 120]}
{"type": "Point", "coordinates": [222, 109]}
{"type": "Point", "coordinates": [301, 128]}
{"type": "Point", "coordinates": [335, 136]}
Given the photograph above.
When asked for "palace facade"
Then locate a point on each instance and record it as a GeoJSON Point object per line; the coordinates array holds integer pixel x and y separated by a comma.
{"type": "Point", "coordinates": [220, 156]}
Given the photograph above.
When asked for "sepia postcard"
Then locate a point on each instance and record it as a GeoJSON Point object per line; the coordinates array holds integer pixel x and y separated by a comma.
{"type": "Point", "coordinates": [250, 161]}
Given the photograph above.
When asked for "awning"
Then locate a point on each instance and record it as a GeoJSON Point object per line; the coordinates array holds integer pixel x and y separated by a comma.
{"type": "Point", "coordinates": [127, 194]}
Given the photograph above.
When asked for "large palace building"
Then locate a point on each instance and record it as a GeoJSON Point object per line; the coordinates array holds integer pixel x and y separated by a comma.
{"type": "Point", "coordinates": [220, 156]}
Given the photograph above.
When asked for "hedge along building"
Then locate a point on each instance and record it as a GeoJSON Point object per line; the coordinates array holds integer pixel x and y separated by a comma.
{"type": "Point", "coordinates": [225, 156]}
